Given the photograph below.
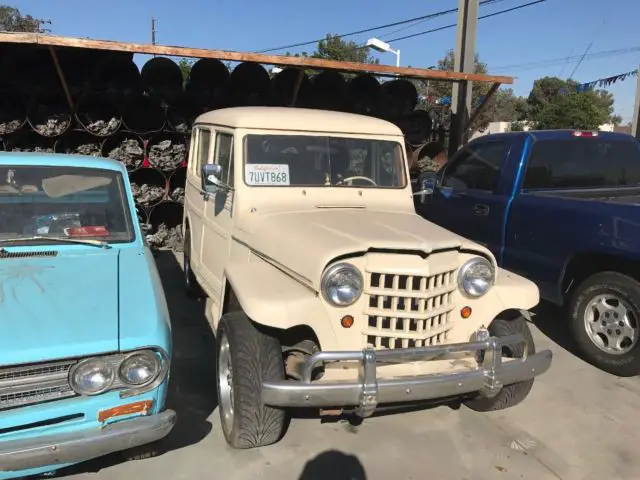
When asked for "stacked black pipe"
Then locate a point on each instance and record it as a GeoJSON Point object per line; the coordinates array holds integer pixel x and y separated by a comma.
{"type": "Point", "coordinates": [143, 118]}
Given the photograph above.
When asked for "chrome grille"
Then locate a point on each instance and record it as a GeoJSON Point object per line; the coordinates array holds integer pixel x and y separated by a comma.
{"type": "Point", "coordinates": [36, 383]}
{"type": "Point", "coordinates": [407, 311]}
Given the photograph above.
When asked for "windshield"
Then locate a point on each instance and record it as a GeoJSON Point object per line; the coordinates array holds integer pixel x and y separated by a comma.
{"type": "Point", "coordinates": [316, 161]}
{"type": "Point", "coordinates": [64, 202]}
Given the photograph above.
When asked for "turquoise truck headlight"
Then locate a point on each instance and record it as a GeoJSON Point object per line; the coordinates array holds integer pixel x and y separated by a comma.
{"type": "Point", "coordinates": [140, 368]}
{"type": "Point", "coordinates": [91, 377]}
{"type": "Point", "coordinates": [476, 277]}
{"type": "Point", "coordinates": [132, 373]}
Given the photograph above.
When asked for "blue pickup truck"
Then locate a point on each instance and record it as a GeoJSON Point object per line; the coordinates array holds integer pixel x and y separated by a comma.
{"type": "Point", "coordinates": [561, 208]}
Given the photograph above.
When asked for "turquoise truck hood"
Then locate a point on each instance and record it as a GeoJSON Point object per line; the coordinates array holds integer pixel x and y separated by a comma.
{"type": "Point", "coordinates": [58, 306]}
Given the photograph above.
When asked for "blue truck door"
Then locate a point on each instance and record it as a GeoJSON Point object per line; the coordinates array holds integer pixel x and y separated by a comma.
{"type": "Point", "coordinates": [467, 199]}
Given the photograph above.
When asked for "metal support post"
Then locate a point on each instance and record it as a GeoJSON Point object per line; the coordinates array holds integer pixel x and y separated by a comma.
{"type": "Point", "coordinates": [635, 126]}
{"type": "Point", "coordinates": [464, 61]}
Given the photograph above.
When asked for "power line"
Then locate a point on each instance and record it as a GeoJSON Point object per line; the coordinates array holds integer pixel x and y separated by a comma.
{"type": "Point", "coordinates": [598, 32]}
{"type": "Point", "coordinates": [559, 61]}
{"type": "Point", "coordinates": [494, 14]}
{"type": "Point", "coordinates": [453, 25]}
{"type": "Point", "coordinates": [380, 27]}
{"type": "Point", "coordinates": [422, 21]}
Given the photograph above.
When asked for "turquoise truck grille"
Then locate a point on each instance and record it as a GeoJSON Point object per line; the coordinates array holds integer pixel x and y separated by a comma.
{"type": "Point", "coordinates": [35, 383]}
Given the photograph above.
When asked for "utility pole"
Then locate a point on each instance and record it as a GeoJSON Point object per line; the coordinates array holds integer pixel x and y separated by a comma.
{"type": "Point", "coordinates": [153, 30]}
{"type": "Point", "coordinates": [464, 61]}
{"type": "Point", "coordinates": [635, 126]}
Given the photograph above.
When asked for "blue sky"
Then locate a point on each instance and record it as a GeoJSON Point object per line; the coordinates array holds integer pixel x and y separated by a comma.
{"type": "Point", "coordinates": [552, 30]}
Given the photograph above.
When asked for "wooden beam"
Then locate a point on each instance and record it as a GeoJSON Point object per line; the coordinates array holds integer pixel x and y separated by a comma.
{"type": "Point", "coordinates": [304, 62]}
{"type": "Point", "coordinates": [481, 107]}
{"type": "Point", "coordinates": [62, 79]}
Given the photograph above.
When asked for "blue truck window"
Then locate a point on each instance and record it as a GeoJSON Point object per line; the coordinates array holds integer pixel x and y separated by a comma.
{"type": "Point", "coordinates": [583, 163]}
{"type": "Point", "coordinates": [477, 168]}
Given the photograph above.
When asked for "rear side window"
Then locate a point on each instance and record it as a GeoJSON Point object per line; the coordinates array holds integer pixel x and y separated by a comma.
{"type": "Point", "coordinates": [583, 163]}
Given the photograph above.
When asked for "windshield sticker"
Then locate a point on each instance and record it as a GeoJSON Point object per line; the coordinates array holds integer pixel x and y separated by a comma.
{"type": "Point", "coordinates": [258, 174]}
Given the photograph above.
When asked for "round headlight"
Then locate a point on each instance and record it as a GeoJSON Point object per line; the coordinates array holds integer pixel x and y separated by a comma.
{"type": "Point", "coordinates": [342, 284]}
{"type": "Point", "coordinates": [91, 377]}
{"type": "Point", "coordinates": [140, 368]}
{"type": "Point", "coordinates": [476, 277]}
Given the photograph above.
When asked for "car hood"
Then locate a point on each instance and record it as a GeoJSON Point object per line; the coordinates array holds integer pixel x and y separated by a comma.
{"type": "Point", "coordinates": [58, 306]}
{"type": "Point", "coordinates": [305, 242]}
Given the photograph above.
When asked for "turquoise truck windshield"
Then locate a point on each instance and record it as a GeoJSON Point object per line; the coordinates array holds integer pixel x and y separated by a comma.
{"type": "Point", "coordinates": [322, 161]}
{"type": "Point", "coordinates": [63, 202]}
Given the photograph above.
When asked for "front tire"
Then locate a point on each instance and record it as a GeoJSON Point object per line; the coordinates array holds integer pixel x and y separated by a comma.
{"type": "Point", "coordinates": [246, 358]}
{"type": "Point", "coordinates": [604, 316]}
{"type": "Point", "coordinates": [513, 394]}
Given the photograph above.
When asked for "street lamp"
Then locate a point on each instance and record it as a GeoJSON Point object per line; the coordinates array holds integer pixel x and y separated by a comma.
{"type": "Point", "coordinates": [381, 46]}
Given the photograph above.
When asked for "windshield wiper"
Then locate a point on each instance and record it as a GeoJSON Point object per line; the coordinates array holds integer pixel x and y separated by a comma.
{"type": "Point", "coordinates": [88, 241]}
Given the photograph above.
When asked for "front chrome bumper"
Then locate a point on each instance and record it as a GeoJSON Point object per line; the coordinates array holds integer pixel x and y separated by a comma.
{"type": "Point", "coordinates": [369, 391]}
{"type": "Point", "coordinates": [78, 446]}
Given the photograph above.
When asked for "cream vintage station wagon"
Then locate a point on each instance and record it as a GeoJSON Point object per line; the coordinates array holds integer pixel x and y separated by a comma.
{"type": "Point", "coordinates": [325, 288]}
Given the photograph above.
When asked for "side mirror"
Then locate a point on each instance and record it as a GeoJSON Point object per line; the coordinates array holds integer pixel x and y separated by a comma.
{"type": "Point", "coordinates": [426, 184]}
{"type": "Point", "coordinates": [211, 178]}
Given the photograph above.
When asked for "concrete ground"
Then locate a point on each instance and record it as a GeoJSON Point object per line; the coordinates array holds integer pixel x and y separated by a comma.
{"type": "Point", "coordinates": [578, 423]}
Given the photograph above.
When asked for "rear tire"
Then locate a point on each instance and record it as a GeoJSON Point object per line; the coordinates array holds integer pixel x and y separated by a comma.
{"type": "Point", "coordinates": [513, 394]}
{"type": "Point", "coordinates": [601, 306]}
{"type": "Point", "coordinates": [193, 288]}
{"type": "Point", "coordinates": [246, 358]}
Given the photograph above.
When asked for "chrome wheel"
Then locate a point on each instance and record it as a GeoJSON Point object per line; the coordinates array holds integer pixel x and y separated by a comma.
{"type": "Point", "coordinates": [611, 324]}
{"type": "Point", "coordinates": [225, 383]}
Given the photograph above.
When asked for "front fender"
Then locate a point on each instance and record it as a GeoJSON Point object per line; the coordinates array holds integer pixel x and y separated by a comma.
{"type": "Point", "coordinates": [273, 299]}
{"type": "Point", "coordinates": [515, 291]}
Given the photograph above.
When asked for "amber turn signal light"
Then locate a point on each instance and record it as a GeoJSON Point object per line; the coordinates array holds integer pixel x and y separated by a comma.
{"type": "Point", "coordinates": [138, 407]}
{"type": "Point", "coordinates": [347, 321]}
{"type": "Point", "coordinates": [465, 312]}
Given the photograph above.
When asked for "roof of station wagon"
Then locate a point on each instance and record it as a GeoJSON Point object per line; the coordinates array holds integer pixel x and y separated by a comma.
{"type": "Point", "coordinates": [298, 119]}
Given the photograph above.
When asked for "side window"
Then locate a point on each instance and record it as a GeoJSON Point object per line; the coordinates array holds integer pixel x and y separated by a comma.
{"type": "Point", "coordinates": [583, 163]}
{"type": "Point", "coordinates": [477, 168]}
{"type": "Point", "coordinates": [204, 141]}
{"type": "Point", "coordinates": [224, 156]}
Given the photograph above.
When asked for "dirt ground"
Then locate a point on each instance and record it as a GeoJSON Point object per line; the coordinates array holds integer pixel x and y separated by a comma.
{"type": "Point", "coordinates": [578, 423]}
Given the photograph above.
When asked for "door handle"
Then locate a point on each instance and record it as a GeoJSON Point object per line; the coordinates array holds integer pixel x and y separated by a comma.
{"type": "Point", "coordinates": [481, 209]}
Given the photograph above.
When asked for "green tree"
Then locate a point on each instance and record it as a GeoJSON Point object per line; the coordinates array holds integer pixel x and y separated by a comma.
{"type": "Point", "coordinates": [616, 120]}
{"type": "Point", "coordinates": [555, 103]}
{"type": "Point", "coordinates": [333, 47]}
{"type": "Point", "coordinates": [517, 126]}
{"type": "Point", "coordinates": [185, 65]}
{"type": "Point", "coordinates": [439, 89]}
{"type": "Point", "coordinates": [11, 20]}
{"type": "Point", "coordinates": [505, 106]}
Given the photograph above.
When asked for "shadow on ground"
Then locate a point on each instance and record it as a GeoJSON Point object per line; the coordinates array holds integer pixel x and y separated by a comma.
{"type": "Point", "coordinates": [192, 388]}
{"type": "Point", "coordinates": [333, 465]}
{"type": "Point", "coordinates": [551, 321]}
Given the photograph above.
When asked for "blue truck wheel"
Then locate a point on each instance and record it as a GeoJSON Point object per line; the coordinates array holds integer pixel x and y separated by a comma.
{"type": "Point", "coordinates": [604, 319]}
